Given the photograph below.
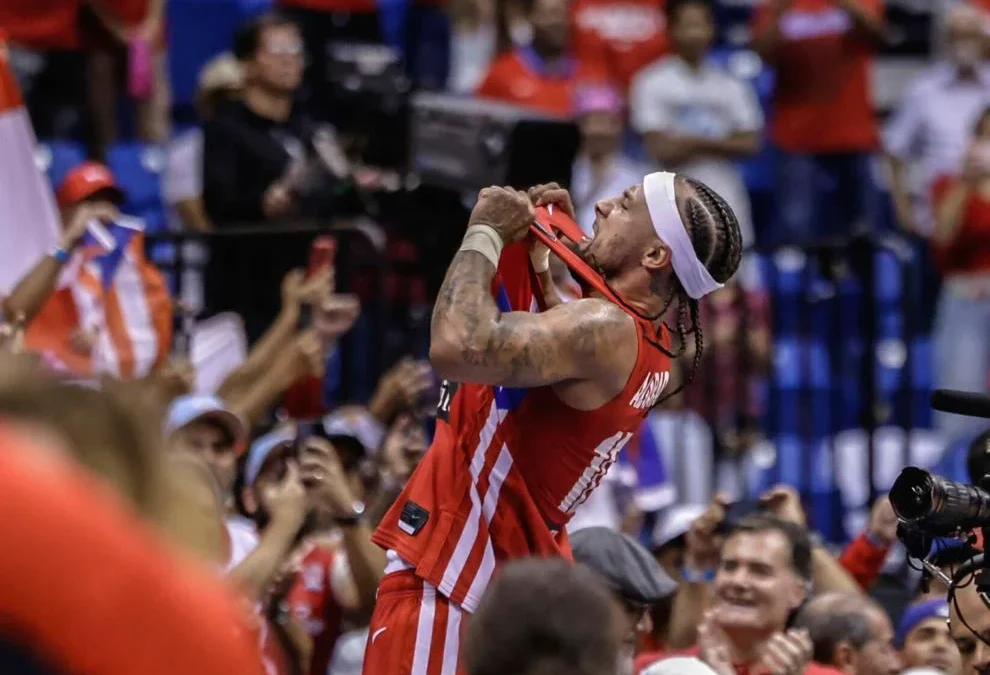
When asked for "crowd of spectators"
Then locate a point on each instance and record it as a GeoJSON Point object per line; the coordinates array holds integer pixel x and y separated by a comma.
{"type": "Point", "coordinates": [215, 467]}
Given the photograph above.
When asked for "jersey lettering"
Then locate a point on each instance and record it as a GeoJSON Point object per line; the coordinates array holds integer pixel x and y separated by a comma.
{"type": "Point", "coordinates": [649, 392]}
{"type": "Point", "coordinates": [605, 455]}
{"type": "Point", "coordinates": [447, 391]}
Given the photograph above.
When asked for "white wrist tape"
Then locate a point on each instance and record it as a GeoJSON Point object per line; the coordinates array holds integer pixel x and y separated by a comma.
{"type": "Point", "coordinates": [540, 259]}
{"type": "Point", "coordinates": [484, 240]}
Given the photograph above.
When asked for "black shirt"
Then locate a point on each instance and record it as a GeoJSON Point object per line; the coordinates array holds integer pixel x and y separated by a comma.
{"type": "Point", "coordinates": [243, 154]}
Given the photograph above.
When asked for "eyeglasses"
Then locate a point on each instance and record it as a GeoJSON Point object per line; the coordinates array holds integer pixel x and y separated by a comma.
{"type": "Point", "coordinates": [284, 49]}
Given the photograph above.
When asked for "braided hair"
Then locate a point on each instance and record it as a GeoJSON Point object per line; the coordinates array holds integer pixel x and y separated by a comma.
{"type": "Point", "coordinates": [717, 241]}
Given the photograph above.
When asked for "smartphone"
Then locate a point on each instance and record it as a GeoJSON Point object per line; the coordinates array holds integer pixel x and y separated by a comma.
{"type": "Point", "coordinates": [736, 511]}
{"type": "Point", "coordinates": [304, 431]}
{"type": "Point", "coordinates": [322, 255]}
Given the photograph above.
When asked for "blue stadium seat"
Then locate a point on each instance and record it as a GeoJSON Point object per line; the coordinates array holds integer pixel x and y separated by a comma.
{"type": "Point", "coordinates": [204, 28]}
{"type": "Point", "coordinates": [55, 158]}
{"type": "Point", "coordinates": [138, 169]}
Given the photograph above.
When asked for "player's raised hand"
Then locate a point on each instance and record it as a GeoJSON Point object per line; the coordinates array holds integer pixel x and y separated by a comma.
{"type": "Point", "coordinates": [506, 210]}
{"type": "Point", "coordinates": [551, 193]}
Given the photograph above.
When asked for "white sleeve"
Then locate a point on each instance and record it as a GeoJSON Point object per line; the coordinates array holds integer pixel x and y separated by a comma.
{"type": "Point", "coordinates": [903, 130]}
{"type": "Point", "coordinates": [243, 540]}
{"type": "Point", "coordinates": [647, 109]}
{"type": "Point", "coordinates": [183, 177]}
{"type": "Point", "coordinates": [747, 115]}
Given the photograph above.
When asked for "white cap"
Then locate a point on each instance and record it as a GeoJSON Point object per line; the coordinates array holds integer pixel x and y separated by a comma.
{"type": "Point", "coordinates": [675, 522]}
{"type": "Point", "coordinates": [195, 407]}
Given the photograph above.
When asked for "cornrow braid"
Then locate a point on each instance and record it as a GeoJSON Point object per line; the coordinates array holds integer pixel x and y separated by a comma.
{"type": "Point", "coordinates": [717, 241]}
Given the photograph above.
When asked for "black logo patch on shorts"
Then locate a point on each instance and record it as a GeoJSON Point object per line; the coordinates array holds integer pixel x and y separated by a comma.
{"type": "Point", "coordinates": [413, 518]}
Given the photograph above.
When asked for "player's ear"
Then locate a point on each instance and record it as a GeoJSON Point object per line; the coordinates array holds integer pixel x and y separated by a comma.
{"type": "Point", "coordinates": [656, 256]}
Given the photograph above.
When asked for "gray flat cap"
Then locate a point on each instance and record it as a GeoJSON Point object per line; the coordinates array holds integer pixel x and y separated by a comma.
{"type": "Point", "coordinates": [627, 568]}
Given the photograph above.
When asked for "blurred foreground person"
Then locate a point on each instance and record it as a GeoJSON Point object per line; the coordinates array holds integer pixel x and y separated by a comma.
{"type": "Point", "coordinates": [543, 617]}
{"type": "Point", "coordinates": [75, 470]}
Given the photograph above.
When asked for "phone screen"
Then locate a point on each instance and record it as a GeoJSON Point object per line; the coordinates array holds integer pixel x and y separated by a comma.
{"type": "Point", "coordinates": [322, 255]}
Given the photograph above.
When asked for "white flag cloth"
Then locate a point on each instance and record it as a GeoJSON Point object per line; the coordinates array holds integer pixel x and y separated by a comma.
{"type": "Point", "coordinates": [29, 222]}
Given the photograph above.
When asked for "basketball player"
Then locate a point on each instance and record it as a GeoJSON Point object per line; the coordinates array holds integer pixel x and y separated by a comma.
{"type": "Point", "coordinates": [536, 406]}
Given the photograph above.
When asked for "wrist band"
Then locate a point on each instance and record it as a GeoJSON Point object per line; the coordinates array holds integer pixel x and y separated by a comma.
{"type": "Point", "coordinates": [540, 262]}
{"type": "Point", "coordinates": [693, 576]}
{"type": "Point", "coordinates": [60, 254]}
{"type": "Point", "coordinates": [484, 240]}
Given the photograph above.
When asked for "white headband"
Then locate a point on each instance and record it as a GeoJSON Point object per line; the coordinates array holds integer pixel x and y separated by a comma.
{"type": "Point", "coordinates": [659, 191]}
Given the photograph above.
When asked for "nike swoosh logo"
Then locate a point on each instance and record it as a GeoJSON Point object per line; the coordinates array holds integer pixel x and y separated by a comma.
{"type": "Point", "coordinates": [374, 636]}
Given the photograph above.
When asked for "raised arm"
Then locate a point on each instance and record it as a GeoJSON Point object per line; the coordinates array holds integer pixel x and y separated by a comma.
{"type": "Point", "coordinates": [471, 340]}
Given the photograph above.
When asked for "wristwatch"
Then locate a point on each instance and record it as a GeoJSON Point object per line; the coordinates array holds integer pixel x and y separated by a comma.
{"type": "Point", "coordinates": [352, 518]}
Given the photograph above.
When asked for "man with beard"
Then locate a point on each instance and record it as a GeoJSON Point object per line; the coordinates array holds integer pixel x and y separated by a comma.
{"type": "Point", "coordinates": [536, 406]}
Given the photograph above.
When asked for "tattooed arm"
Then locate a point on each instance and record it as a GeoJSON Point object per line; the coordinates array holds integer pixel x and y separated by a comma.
{"type": "Point", "coordinates": [472, 341]}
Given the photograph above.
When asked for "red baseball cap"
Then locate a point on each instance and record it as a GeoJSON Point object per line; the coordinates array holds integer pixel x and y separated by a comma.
{"type": "Point", "coordinates": [84, 181]}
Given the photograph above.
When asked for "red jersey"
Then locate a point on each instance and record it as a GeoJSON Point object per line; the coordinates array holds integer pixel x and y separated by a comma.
{"type": "Point", "coordinates": [822, 101]}
{"type": "Point", "coordinates": [624, 36]}
{"type": "Point", "coordinates": [968, 252]}
{"type": "Point", "coordinates": [521, 78]}
{"type": "Point", "coordinates": [315, 606]}
{"type": "Point", "coordinates": [508, 467]}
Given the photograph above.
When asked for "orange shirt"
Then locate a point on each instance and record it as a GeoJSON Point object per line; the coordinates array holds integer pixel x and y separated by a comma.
{"type": "Point", "coordinates": [822, 98]}
{"type": "Point", "coordinates": [621, 36]}
{"type": "Point", "coordinates": [519, 77]}
{"type": "Point", "coordinates": [95, 590]}
{"type": "Point", "coordinates": [330, 6]}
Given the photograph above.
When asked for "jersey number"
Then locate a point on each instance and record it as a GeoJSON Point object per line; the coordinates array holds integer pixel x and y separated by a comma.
{"type": "Point", "coordinates": [447, 391]}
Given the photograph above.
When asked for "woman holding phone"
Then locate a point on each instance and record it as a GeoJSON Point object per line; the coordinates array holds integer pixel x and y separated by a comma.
{"type": "Point", "coordinates": [961, 247]}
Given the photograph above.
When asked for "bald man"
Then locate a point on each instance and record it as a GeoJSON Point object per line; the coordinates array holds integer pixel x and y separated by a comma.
{"type": "Point", "coordinates": [850, 633]}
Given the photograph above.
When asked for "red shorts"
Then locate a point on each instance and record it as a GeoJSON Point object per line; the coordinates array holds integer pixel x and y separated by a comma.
{"type": "Point", "coordinates": [414, 630]}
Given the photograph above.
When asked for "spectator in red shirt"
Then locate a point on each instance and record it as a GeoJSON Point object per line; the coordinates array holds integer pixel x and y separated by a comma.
{"type": "Point", "coordinates": [543, 75]}
{"type": "Point", "coordinates": [961, 247]}
{"type": "Point", "coordinates": [823, 121]}
{"type": "Point", "coordinates": [763, 576]}
{"type": "Point", "coordinates": [624, 35]}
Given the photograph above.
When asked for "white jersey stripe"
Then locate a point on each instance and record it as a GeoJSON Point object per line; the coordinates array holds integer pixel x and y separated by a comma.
{"type": "Point", "coordinates": [424, 631]}
{"type": "Point", "coordinates": [469, 534]}
{"type": "Point", "coordinates": [487, 568]}
{"type": "Point", "coordinates": [451, 640]}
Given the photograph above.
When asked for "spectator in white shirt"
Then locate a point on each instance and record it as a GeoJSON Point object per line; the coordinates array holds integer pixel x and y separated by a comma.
{"type": "Point", "coordinates": [600, 169]}
{"type": "Point", "coordinates": [931, 130]}
{"type": "Point", "coordinates": [698, 119]}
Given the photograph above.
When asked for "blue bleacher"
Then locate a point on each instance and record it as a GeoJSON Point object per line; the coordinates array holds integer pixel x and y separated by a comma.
{"type": "Point", "coordinates": [206, 28]}
{"type": "Point", "coordinates": [138, 169]}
